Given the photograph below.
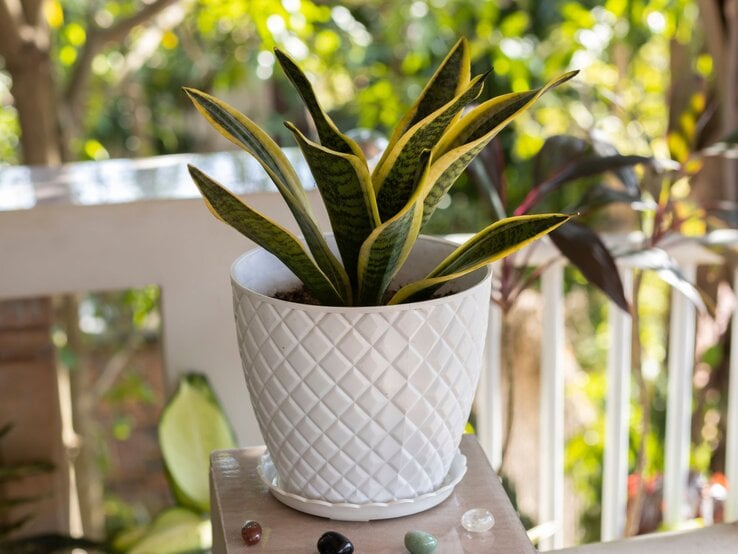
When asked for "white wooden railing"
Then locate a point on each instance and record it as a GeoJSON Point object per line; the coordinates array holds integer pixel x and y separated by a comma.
{"type": "Point", "coordinates": [125, 223]}
{"type": "Point", "coordinates": [681, 361]}
{"type": "Point", "coordinates": [118, 224]}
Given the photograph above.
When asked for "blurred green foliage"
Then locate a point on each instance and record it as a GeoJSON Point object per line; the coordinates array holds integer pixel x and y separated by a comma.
{"type": "Point", "coordinates": [590, 338]}
{"type": "Point", "coordinates": [372, 58]}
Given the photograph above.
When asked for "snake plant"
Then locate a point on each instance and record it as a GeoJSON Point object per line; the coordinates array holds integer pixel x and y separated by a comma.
{"type": "Point", "coordinates": [376, 215]}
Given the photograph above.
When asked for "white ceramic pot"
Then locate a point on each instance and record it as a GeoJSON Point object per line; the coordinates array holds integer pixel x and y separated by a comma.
{"type": "Point", "coordinates": [361, 406]}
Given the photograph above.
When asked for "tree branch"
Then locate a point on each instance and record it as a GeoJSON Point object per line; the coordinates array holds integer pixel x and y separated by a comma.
{"type": "Point", "coordinates": [119, 31]}
{"type": "Point", "coordinates": [115, 366]}
{"type": "Point", "coordinates": [714, 36]}
{"type": "Point", "coordinates": [730, 83]}
{"type": "Point", "coordinates": [97, 38]}
{"type": "Point", "coordinates": [32, 11]}
{"type": "Point", "coordinates": [11, 22]}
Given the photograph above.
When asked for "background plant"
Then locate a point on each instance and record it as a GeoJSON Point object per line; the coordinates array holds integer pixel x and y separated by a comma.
{"type": "Point", "coordinates": [192, 425]}
{"type": "Point", "coordinates": [14, 472]}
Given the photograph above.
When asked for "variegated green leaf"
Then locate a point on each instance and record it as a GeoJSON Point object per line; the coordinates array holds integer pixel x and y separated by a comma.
{"type": "Point", "coordinates": [245, 133]}
{"type": "Point", "coordinates": [492, 113]}
{"type": "Point", "coordinates": [389, 245]}
{"type": "Point", "coordinates": [330, 136]}
{"type": "Point", "coordinates": [346, 188]}
{"type": "Point", "coordinates": [466, 138]}
{"type": "Point", "coordinates": [227, 207]}
{"type": "Point", "coordinates": [393, 182]}
{"type": "Point", "coordinates": [449, 80]}
{"type": "Point", "coordinates": [496, 241]}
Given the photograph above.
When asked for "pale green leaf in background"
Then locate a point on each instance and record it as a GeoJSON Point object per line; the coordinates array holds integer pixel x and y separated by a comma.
{"type": "Point", "coordinates": [192, 425]}
{"type": "Point", "coordinates": [175, 531]}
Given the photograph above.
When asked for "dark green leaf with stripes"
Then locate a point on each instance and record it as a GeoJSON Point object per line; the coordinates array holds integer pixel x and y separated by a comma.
{"type": "Point", "coordinates": [345, 186]}
{"type": "Point", "coordinates": [491, 114]}
{"type": "Point", "coordinates": [245, 133]}
{"type": "Point", "coordinates": [496, 241]}
{"type": "Point", "coordinates": [393, 182]}
{"type": "Point", "coordinates": [450, 79]}
{"type": "Point", "coordinates": [463, 141]}
{"type": "Point", "coordinates": [389, 245]}
{"type": "Point", "coordinates": [284, 245]}
{"type": "Point", "coordinates": [330, 136]}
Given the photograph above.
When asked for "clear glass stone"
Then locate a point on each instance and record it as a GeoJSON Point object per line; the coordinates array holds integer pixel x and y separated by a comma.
{"type": "Point", "coordinates": [478, 520]}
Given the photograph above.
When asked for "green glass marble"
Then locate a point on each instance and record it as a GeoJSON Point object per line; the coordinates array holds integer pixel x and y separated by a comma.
{"type": "Point", "coordinates": [420, 542]}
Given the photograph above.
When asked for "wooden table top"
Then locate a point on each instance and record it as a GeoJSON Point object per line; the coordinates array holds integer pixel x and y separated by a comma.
{"type": "Point", "coordinates": [238, 494]}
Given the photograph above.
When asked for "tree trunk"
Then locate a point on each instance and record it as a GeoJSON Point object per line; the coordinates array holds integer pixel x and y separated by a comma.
{"type": "Point", "coordinates": [25, 45]}
{"type": "Point", "coordinates": [720, 24]}
{"type": "Point", "coordinates": [33, 91]}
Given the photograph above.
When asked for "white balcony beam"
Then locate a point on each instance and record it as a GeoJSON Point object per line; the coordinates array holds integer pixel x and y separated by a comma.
{"type": "Point", "coordinates": [615, 477]}
{"type": "Point", "coordinates": [679, 401]}
{"type": "Point", "coordinates": [489, 398]}
{"type": "Point", "coordinates": [551, 452]}
{"type": "Point", "coordinates": [731, 439]}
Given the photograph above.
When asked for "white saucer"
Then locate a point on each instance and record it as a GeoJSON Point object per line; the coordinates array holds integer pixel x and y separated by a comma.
{"type": "Point", "coordinates": [362, 512]}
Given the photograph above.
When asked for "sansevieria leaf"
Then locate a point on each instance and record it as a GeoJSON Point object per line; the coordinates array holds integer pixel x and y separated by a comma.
{"type": "Point", "coordinates": [246, 134]}
{"type": "Point", "coordinates": [466, 138]}
{"type": "Point", "coordinates": [346, 188]}
{"type": "Point", "coordinates": [490, 114]}
{"type": "Point", "coordinates": [389, 245]}
{"type": "Point", "coordinates": [496, 241]}
{"type": "Point", "coordinates": [227, 207]}
{"type": "Point", "coordinates": [243, 132]}
{"type": "Point", "coordinates": [330, 136]}
{"type": "Point", "coordinates": [449, 80]}
{"type": "Point", "coordinates": [393, 181]}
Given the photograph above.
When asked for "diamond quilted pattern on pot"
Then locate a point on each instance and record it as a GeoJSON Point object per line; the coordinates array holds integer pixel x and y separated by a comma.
{"type": "Point", "coordinates": [361, 405]}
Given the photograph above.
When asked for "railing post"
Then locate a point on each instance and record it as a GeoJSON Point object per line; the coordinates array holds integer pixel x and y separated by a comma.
{"type": "Point", "coordinates": [489, 400]}
{"type": "Point", "coordinates": [615, 477]}
{"type": "Point", "coordinates": [679, 401]}
{"type": "Point", "coordinates": [552, 405]}
{"type": "Point", "coordinates": [731, 439]}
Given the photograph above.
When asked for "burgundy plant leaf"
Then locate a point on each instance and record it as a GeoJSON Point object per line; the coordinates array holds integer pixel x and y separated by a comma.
{"type": "Point", "coordinates": [558, 151]}
{"type": "Point", "coordinates": [586, 251]}
{"type": "Point", "coordinates": [585, 167]}
{"type": "Point", "coordinates": [659, 261]}
{"type": "Point", "coordinates": [626, 175]}
{"type": "Point", "coordinates": [719, 239]}
{"type": "Point", "coordinates": [673, 276]}
{"type": "Point", "coordinates": [600, 195]}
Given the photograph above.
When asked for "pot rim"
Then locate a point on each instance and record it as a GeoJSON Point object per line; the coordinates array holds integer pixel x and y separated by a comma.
{"type": "Point", "coordinates": [286, 304]}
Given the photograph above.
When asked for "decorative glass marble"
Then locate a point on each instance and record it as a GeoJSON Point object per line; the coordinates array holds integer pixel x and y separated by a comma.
{"type": "Point", "coordinates": [478, 520]}
{"type": "Point", "coordinates": [251, 532]}
{"type": "Point", "coordinates": [420, 542]}
{"type": "Point", "coordinates": [332, 542]}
